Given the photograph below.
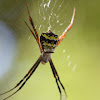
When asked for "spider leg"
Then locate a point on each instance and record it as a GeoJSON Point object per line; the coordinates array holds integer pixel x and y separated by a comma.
{"type": "Point", "coordinates": [67, 29]}
{"type": "Point", "coordinates": [31, 30]}
{"type": "Point", "coordinates": [31, 21]}
{"type": "Point", "coordinates": [36, 34]}
{"type": "Point", "coordinates": [56, 76]}
{"type": "Point", "coordinates": [59, 80]}
{"type": "Point", "coordinates": [20, 81]}
{"type": "Point", "coordinates": [26, 77]}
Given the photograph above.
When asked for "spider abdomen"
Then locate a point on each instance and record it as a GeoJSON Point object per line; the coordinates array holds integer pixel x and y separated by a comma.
{"type": "Point", "coordinates": [49, 41]}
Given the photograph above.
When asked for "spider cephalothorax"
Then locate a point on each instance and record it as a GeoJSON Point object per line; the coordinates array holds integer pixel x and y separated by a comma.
{"type": "Point", "coordinates": [47, 43]}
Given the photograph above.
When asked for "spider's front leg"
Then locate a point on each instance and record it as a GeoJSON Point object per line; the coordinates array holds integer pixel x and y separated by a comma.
{"type": "Point", "coordinates": [57, 78]}
{"type": "Point", "coordinates": [68, 28]}
{"type": "Point", "coordinates": [23, 81]}
{"type": "Point", "coordinates": [34, 34]}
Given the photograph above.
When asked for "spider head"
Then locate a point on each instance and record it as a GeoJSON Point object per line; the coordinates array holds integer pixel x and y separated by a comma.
{"type": "Point", "coordinates": [49, 41]}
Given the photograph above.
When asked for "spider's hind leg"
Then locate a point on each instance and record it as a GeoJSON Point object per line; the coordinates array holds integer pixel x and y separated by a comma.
{"type": "Point", "coordinates": [67, 29]}
{"type": "Point", "coordinates": [34, 34]}
{"type": "Point", "coordinates": [31, 21]}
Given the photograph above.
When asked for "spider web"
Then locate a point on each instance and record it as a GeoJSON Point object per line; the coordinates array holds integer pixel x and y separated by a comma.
{"type": "Point", "coordinates": [46, 14]}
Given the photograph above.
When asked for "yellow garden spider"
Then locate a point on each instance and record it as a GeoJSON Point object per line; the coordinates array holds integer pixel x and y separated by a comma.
{"type": "Point", "coordinates": [47, 43]}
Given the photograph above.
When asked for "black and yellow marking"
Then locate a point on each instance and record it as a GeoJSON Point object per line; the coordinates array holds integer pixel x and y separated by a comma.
{"type": "Point", "coordinates": [49, 41]}
{"type": "Point", "coordinates": [50, 36]}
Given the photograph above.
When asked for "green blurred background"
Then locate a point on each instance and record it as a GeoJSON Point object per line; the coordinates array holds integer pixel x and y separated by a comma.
{"type": "Point", "coordinates": [76, 58]}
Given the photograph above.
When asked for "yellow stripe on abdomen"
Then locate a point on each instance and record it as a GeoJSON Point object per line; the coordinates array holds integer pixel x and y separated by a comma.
{"type": "Point", "coordinates": [51, 37]}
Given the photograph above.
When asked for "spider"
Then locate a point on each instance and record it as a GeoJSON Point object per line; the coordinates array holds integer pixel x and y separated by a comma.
{"type": "Point", "coordinates": [47, 43]}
